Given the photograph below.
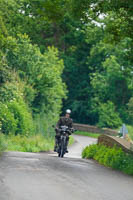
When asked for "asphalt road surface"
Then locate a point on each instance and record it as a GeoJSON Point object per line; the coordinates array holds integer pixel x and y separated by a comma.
{"type": "Point", "coordinates": [43, 176]}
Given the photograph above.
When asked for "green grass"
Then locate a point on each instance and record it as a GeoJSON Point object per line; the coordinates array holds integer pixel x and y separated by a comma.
{"type": "Point", "coordinates": [37, 143]}
{"type": "Point", "coordinates": [110, 157]}
{"type": "Point", "coordinates": [94, 135]}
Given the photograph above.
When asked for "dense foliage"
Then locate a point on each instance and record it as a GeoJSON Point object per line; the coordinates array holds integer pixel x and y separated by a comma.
{"type": "Point", "coordinates": [110, 157]}
{"type": "Point", "coordinates": [31, 86]}
{"type": "Point", "coordinates": [82, 50]}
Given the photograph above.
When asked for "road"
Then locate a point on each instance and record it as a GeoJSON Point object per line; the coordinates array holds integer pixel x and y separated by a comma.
{"type": "Point", "coordinates": [43, 176]}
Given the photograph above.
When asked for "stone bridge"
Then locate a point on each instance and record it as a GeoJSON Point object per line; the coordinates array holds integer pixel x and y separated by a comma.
{"type": "Point", "coordinates": [107, 137]}
{"type": "Point", "coordinates": [94, 129]}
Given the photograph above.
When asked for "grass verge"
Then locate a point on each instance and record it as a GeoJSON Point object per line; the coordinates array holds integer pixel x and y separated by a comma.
{"type": "Point", "coordinates": [94, 135]}
{"type": "Point", "coordinates": [110, 157]}
{"type": "Point", "coordinates": [37, 143]}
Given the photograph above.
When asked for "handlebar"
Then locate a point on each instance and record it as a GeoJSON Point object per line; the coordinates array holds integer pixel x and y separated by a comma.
{"type": "Point", "coordinates": [70, 130]}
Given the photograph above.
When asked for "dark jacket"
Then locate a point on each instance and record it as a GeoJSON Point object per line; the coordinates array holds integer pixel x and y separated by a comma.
{"type": "Point", "coordinates": [64, 121]}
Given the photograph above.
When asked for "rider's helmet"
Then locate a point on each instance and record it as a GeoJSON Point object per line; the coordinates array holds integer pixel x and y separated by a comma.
{"type": "Point", "coordinates": [68, 111]}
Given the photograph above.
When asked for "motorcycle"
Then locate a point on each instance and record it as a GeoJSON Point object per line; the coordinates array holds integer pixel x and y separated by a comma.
{"type": "Point", "coordinates": [62, 145]}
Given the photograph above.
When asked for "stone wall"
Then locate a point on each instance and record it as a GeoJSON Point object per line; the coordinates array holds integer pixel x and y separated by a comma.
{"type": "Point", "coordinates": [94, 129]}
{"type": "Point", "coordinates": [107, 137]}
{"type": "Point", "coordinates": [112, 140]}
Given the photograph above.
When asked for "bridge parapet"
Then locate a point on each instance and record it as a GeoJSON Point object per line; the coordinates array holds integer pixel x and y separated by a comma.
{"type": "Point", "coordinates": [94, 129]}
{"type": "Point", "coordinates": [119, 142]}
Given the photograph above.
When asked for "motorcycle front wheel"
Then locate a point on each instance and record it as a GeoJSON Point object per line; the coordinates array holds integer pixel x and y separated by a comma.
{"type": "Point", "coordinates": [61, 151]}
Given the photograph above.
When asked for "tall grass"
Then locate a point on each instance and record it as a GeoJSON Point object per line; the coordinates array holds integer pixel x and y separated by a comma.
{"type": "Point", "coordinates": [37, 143]}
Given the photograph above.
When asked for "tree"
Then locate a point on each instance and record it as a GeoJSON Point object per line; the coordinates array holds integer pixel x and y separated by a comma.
{"type": "Point", "coordinates": [114, 80]}
{"type": "Point", "coordinates": [108, 117]}
{"type": "Point", "coordinates": [130, 111]}
{"type": "Point", "coordinates": [94, 39]}
{"type": "Point", "coordinates": [44, 89]}
{"type": "Point", "coordinates": [76, 72]}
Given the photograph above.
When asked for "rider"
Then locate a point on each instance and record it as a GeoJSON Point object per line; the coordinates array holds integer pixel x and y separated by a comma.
{"type": "Point", "coordinates": [63, 121]}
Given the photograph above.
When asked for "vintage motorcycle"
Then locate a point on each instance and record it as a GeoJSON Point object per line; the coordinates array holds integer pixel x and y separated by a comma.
{"type": "Point", "coordinates": [62, 144]}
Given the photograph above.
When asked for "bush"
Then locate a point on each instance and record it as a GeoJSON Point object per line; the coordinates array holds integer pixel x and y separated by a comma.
{"type": "Point", "coordinates": [110, 157]}
{"type": "Point", "coordinates": [22, 116]}
{"type": "Point", "coordinates": [7, 122]}
{"type": "Point", "coordinates": [100, 154]}
{"type": "Point", "coordinates": [15, 118]}
{"type": "Point", "coordinates": [114, 158]}
{"type": "Point", "coordinates": [89, 151]}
